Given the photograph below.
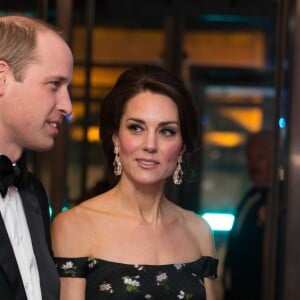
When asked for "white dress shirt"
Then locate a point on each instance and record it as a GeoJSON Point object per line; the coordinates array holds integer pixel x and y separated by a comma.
{"type": "Point", "coordinates": [12, 211]}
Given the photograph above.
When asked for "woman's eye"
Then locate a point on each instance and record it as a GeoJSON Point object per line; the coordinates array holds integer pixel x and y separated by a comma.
{"type": "Point", "coordinates": [135, 127]}
{"type": "Point", "coordinates": [168, 131]}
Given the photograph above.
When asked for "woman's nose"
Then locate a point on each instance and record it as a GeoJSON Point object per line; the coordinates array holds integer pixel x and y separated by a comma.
{"type": "Point", "coordinates": [150, 142]}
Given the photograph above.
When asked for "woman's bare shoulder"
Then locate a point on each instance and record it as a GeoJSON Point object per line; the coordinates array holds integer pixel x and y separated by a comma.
{"type": "Point", "coordinates": [201, 231]}
{"type": "Point", "coordinates": [196, 220]}
{"type": "Point", "coordinates": [71, 229]}
{"type": "Point", "coordinates": [70, 218]}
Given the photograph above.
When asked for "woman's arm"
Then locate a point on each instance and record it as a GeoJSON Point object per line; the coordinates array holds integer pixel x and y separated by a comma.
{"type": "Point", "coordinates": [203, 234]}
{"type": "Point", "coordinates": [66, 242]}
{"type": "Point", "coordinates": [72, 288]}
{"type": "Point", "coordinates": [210, 289]}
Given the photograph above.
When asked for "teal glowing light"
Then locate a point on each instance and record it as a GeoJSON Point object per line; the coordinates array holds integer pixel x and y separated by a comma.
{"type": "Point", "coordinates": [228, 18]}
{"type": "Point", "coordinates": [219, 221]}
{"type": "Point", "coordinates": [65, 208]}
{"type": "Point", "coordinates": [282, 122]}
{"type": "Point", "coordinates": [51, 211]}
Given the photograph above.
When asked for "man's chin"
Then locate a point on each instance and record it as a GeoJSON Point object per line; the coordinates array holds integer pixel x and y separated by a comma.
{"type": "Point", "coordinates": [43, 147]}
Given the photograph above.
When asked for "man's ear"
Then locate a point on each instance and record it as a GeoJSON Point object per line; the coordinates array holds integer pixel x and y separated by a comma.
{"type": "Point", "coordinates": [2, 84]}
{"type": "Point", "coordinates": [3, 74]}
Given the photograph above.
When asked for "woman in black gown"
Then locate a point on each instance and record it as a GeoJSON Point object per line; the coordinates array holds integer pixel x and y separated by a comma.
{"type": "Point", "coordinates": [131, 242]}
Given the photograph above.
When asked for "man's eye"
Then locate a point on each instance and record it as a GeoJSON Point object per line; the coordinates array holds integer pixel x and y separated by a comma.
{"type": "Point", "coordinates": [54, 84]}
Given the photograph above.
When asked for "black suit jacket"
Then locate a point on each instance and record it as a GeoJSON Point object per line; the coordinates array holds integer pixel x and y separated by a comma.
{"type": "Point", "coordinates": [35, 202]}
{"type": "Point", "coordinates": [243, 260]}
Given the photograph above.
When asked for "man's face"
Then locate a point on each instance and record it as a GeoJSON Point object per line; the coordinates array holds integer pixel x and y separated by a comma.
{"type": "Point", "coordinates": [32, 110]}
{"type": "Point", "coordinates": [259, 163]}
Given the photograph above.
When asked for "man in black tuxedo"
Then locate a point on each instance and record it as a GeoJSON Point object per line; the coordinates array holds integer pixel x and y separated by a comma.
{"type": "Point", "coordinates": [36, 67]}
{"type": "Point", "coordinates": [244, 258]}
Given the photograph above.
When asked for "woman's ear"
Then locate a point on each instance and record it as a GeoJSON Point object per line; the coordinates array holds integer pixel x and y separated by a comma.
{"type": "Point", "coordinates": [115, 139]}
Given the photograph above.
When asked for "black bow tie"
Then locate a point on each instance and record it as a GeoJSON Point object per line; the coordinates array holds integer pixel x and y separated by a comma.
{"type": "Point", "coordinates": [10, 174]}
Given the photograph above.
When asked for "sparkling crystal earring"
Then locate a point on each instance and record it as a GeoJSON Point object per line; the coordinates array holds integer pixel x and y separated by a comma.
{"type": "Point", "coordinates": [178, 173]}
{"type": "Point", "coordinates": [117, 164]}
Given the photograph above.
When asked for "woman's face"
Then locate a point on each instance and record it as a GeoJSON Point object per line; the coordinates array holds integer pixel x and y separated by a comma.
{"type": "Point", "coordinates": [149, 138]}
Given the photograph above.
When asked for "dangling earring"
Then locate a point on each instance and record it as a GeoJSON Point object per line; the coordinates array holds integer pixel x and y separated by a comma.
{"type": "Point", "coordinates": [117, 164]}
{"type": "Point", "coordinates": [178, 173]}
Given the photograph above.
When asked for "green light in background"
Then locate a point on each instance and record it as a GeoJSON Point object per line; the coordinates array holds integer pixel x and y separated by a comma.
{"type": "Point", "coordinates": [65, 208]}
{"type": "Point", "coordinates": [51, 212]}
{"type": "Point", "coordinates": [219, 221]}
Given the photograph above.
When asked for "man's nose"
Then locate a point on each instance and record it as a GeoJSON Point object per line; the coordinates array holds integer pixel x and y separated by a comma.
{"type": "Point", "coordinates": [64, 103]}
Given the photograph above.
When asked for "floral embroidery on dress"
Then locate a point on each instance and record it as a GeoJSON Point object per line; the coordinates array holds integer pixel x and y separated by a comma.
{"type": "Point", "coordinates": [106, 288]}
{"type": "Point", "coordinates": [139, 267]}
{"type": "Point", "coordinates": [183, 295]}
{"type": "Point", "coordinates": [69, 268]}
{"type": "Point", "coordinates": [92, 262]}
{"type": "Point", "coordinates": [114, 281]}
{"type": "Point", "coordinates": [178, 266]}
{"type": "Point", "coordinates": [132, 283]}
{"type": "Point", "coordinates": [162, 280]}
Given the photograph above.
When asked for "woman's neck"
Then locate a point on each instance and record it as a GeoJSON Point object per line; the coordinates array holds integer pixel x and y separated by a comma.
{"type": "Point", "coordinates": [144, 202]}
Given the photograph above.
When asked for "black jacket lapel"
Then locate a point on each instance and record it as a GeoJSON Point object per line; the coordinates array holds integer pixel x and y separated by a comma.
{"type": "Point", "coordinates": [11, 284]}
{"type": "Point", "coordinates": [49, 278]}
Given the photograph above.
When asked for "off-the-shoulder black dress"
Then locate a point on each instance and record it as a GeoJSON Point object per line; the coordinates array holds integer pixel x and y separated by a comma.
{"type": "Point", "coordinates": [118, 281]}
